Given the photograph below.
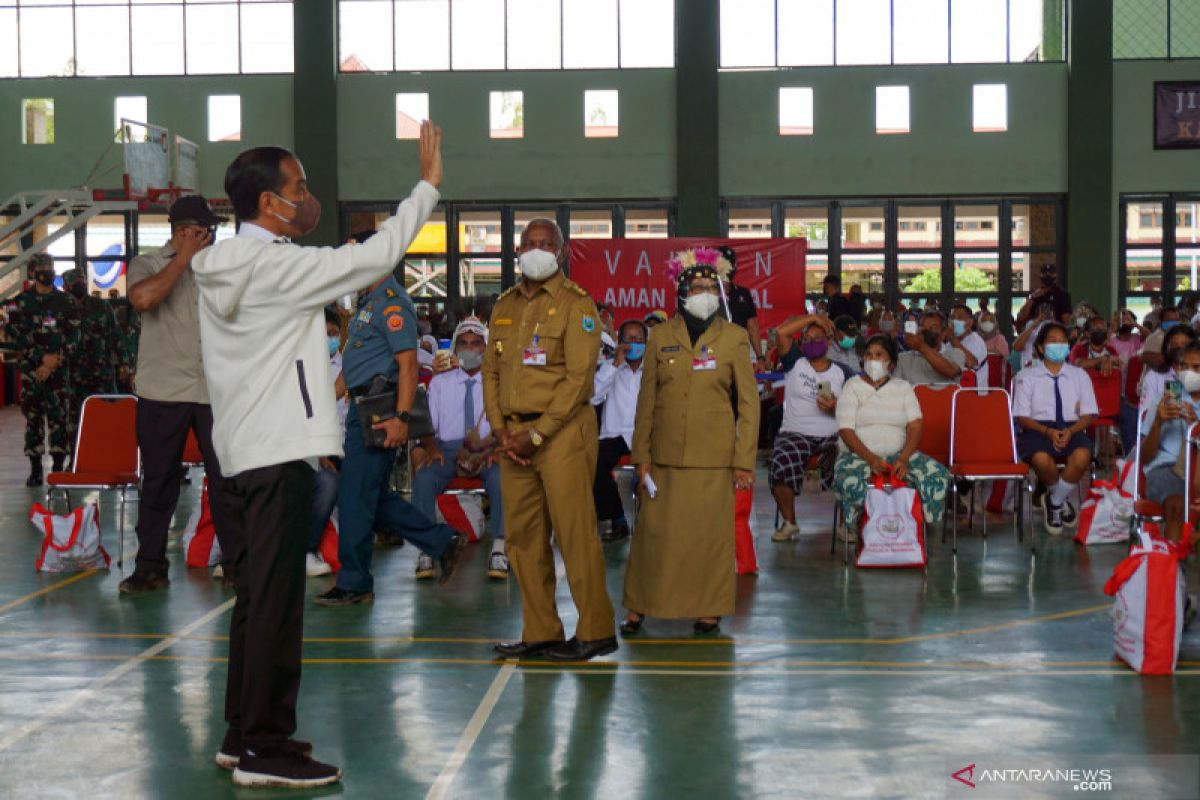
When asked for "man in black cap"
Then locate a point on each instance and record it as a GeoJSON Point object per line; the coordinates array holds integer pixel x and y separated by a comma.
{"type": "Point", "coordinates": [1049, 292]}
{"type": "Point", "coordinates": [172, 393]}
{"type": "Point", "coordinates": [843, 347]}
{"type": "Point", "coordinates": [837, 303]}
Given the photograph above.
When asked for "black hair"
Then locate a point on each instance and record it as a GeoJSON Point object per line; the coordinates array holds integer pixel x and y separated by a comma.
{"type": "Point", "coordinates": [1087, 325]}
{"type": "Point", "coordinates": [812, 325]}
{"type": "Point", "coordinates": [963, 306]}
{"type": "Point", "coordinates": [845, 323]}
{"type": "Point", "coordinates": [253, 172]}
{"type": "Point", "coordinates": [1039, 344]}
{"type": "Point", "coordinates": [1179, 330]}
{"type": "Point", "coordinates": [638, 322]}
{"type": "Point", "coordinates": [40, 261]}
{"type": "Point", "coordinates": [1167, 308]}
{"type": "Point", "coordinates": [332, 317]}
{"type": "Point", "coordinates": [1192, 347]}
{"type": "Point", "coordinates": [831, 278]}
{"type": "Point", "coordinates": [936, 314]}
{"type": "Point", "coordinates": [887, 343]}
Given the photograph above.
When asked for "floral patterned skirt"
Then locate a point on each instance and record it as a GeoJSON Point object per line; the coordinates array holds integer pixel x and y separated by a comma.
{"type": "Point", "coordinates": [852, 478]}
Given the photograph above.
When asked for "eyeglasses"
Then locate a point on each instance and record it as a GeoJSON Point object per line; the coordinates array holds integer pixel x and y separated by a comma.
{"type": "Point", "coordinates": [702, 288]}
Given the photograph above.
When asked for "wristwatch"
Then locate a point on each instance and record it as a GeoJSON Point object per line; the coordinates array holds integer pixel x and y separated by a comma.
{"type": "Point", "coordinates": [536, 437]}
{"type": "Point", "coordinates": [403, 416]}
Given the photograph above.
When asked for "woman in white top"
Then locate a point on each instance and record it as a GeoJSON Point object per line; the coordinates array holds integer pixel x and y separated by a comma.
{"type": "Point", "coordinates": [879, 420]}
{"type": "Point", "coordinates": [1150, 388]}
{"type": "Point", "coordinates": [809, 429]}
{"type": "Point", "coordinates": [1053, 404]}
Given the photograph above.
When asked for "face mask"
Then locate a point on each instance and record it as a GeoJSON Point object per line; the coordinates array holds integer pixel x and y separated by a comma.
{"type": "Point", "coordinates": [987, 327]}
{"type": "Point", "coordinates": [335, 344]}
{"type": "Point", "coordinates": [1169, 323]}
{"type": "Point", "coordinates": [538, 265]}
{"type": "Point", "coordinates": [1099, 337]}
{"type": "Point", "coordinates": [636, 351]}
{"type": "Point", "coordinates": [887, 325]}
{"type": "Point", "coordinates": [1047, 280]}
{"type": "Point", "coordinates": [1080, 322]}
{"type": "Point", "coordinates": [876, 370]}
{"type": "Point", "coordinates": [702, 306]}
{"type": "Point", "coordinates": [79, 290]}
{"type": "Point", "coordinates": [815, 350]}
{"type": "Point", "coordinates": [960, 326]}
{"type": "Point", "coordinates": [308, 214]}
{"type": "Point", "coordinates": [1125, 330]}
{"type": "Point", "coordinates": [44, 277]}
{"type": "Point", "coordinates": [1056, 352]}
{"type": "Point", "coordinates": [931, 338]}
{"type": "Point", "coordinates": [847, 343]}
{"type": "Point", "coordinates": [1190, 380]}
{"type": "Point", "coordinates": [470, 360]}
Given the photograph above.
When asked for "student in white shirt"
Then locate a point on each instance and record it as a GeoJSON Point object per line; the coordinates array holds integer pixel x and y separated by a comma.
{"type": "Point", "coordinates": [1163, 440]}
{"type": "Point", "coordinates": [962, 337]}
{"type": "Point", "coordinates": [1054, 403]}
{"type": "Point", "coordinates": [809, 429]}
{"type": "Point", "coordinates": [616, 385]}
{"type": "Point", "coordinates": [1150, 387]}
{"type": "Point", "coordinates": [452, 396]}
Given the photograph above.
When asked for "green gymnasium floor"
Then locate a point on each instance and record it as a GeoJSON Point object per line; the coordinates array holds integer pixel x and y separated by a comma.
{"type": "Point", "coordinates": [829, 682]}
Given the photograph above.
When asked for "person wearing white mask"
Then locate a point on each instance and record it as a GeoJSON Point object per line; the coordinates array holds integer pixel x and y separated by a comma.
{"type": "Point", "coordinates": [963, 337]}
{"type": "Point", "coordinates": [1163, 441]}
{"type": "Point", "coordinates": [993, 339]}
{"type": "Point", "coordinates": [879, 422]}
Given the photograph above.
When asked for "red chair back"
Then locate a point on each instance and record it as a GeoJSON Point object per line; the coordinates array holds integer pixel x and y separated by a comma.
{"type": "Point", "coordinates": [936, 403]}
{"type": "Point", "coordinates": [981, 428]}
{"type": "Point", "coordinates": [1133, 379]}
{"type": "Point", "coordinates": [107, 439]}
{"type": "Point", "coordinates": [191, 450]}
{"type": "Point", "coordinates": [995, 368]}
{"type": "Point", "coordinates": [1108, 394]}
{"type": "Point", "coordinates": [968, 378]}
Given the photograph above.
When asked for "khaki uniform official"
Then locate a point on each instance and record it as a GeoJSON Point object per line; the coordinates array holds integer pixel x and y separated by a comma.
{"type": "Point", "coordinates": [681, 560]}
{"type": "Point", "coordinates": [554, 492]}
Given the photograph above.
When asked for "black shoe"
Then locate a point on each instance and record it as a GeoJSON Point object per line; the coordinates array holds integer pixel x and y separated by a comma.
{"type": "Point", "coordinates": [618, 531]}
{"type": "Point", "coordinates": [1070, 515]}
{"type": "Point", "coordinates": [140, 582]}
{"type": "Point", "coordinates": [284, 767]}
{"type": "Point", "coordinates": [701, 628]}
{"type": "Point", "coordinates": [386, 538]}
{"type": "Point", "coordinates": [337, 597]}
{"type": "Point", "coordinates": [56, 461]}
{"type": "Point", "coordinates": [629, 626]}
{"type": "Point", "coordinates": [449, 559]}
{"type": "Point", "coordinates": [231, 749]}
{"type": "Point", "coordinates": [575, 649]}
{"type": "Point", "coordinates": [521, 649]}
{"type": "Point", "coordinates": [35, 472]}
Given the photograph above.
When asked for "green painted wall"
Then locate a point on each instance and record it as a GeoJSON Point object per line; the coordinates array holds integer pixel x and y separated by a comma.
{"type": "Point", "coordinates": [1137, 166]}
{"type": "Point", "coordinates": [83, 111]}
{"type": "Point", "coordinates": [552, 161]}
{"type": "Point", "coordinates": [941, 155]}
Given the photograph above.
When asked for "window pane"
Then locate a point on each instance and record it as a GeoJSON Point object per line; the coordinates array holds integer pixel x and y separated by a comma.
{"type": "Point", "coordinates": [749, 223]}
{"type": "Point", "coordinates": [862, 227]}
{"type": "Point", "coordinates": [976, 272]}
{"type": "Point", "coordinates": [267, 37]}
{"type": "Point", "coordinates": [864, 32]}
{"type": "Point", "coordinates": [365, 36]}
{"type": "Point", "coordinates": [601, 114]}
{"type": "Point", "coordinates": [1140, 29]}
{"type": "Point", "coordinates": [131, 108]}
{"type": "Point", "coordinates": [795, 111]}
{"type": "Point", "coordinates": [747, 33]}
{"type": "Point", "coordinates": [102, 41]}
{"type": "Point", "coordinates": [978, 31]}
{"type": "Point", "coordinates": [1034, 225]}
{"type": "Point", "coordinates": [989, 107]}
{"type": "Point", "coordinates": [805, 33]}
{"type": "Point", "coordinates": [591, 224]}
{"type": "Point", "coordinates": [1143, 223]}
{"type": "Point", "coordinates": [521, 218]}
{"type": "Point", "coordinates": [647, 33]}
{"type": "Point", "coordinates": [411, 110]}
{"type": "Point", "coordinates": [1187, 269]}
{"type": "Point", "coordinates": [1025, 30]}
{"type": "Point", "coordinates": [919, 226]}
{"type": "Point", "coordinates": [507, 115]}
{"type": "Point", "coordinates": [8, 43]}
{"type": "Point", "coordinates": [157, 40]}
{"type": "Point", "coordinates": [425, 277]}
{"type": "Point", "coordinates": [976, 226]}
{"type": "Point", "coordinates": [920, 273]}
{"type": "Point", "coordinates": [479, 232]}
{"type": "Point", "coordinates": [1143, 271]}
{"type": "Point", "coordinates": [225, 118]}
{"type": "Point", "coordinates": [1185, 29]}
{"type": "Point", "coordinates": [921, 32]}
{"type": "Point", "coordinates": [37, 121]}
{"type": "Point", "coordinates": [211, 45]}
{"type": "Point", "coordinates": [646, 223]}
{"type": "Point", "coordinates": [46, 47]}
{"type": "Point", "coordinates": [863, 269]}
{"type": "Point", "coordinates": [534, 29]}
{"type": "Point", "coordinates": [1186, 231]}
{"type": "Point", "coordinates": [477, 32]}
{"type": "Point", "coordinates": [590, 34]}
{"type": "Point", "coordinates": [810, 222]}
{"type": "Point", "coordinates": [891, 109]}
{"type": "Point", "coordinates": [422, 34]}
{"type": "Point", "coordinates": [432, 236]}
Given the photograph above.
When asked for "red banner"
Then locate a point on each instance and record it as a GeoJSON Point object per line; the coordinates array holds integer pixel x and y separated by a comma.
{"type": "Point", "coordinates": [630, 275]}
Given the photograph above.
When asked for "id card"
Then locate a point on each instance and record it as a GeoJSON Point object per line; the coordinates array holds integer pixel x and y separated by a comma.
{"type": "Point", "coordinates": [704, 362]}
{"type": "Point", "coordinates": [534, 356]}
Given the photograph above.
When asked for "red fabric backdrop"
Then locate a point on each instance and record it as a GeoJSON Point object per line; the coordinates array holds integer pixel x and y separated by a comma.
{"type": "Point", "coordinates": [630, 275]}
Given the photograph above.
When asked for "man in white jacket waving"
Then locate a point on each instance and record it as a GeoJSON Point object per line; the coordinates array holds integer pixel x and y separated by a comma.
{"type": "Point", "coordinates": [263, 341]}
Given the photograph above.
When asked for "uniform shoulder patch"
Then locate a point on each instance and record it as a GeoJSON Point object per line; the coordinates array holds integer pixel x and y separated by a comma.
{"type": "Point", "coordinates": [510, 290]}
{"type": "Point", "coordinates": [395, 322]}
{"type": "Point", "coordinates": [390, 292]}
{"type": "Point", "coordinates": [393, 310]}
{"type": "Point", "coordinates": [577, 289]}
{"type": "Point", "coordinates": [589, 324]}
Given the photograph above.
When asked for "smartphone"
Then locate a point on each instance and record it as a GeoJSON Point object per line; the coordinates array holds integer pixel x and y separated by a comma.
{"type": "Point", "coordinates": [1173, 391]}
{"type": "Point", "coordinates": [910, 327]}
{"type": "Point", "coordinates": [824, 390]}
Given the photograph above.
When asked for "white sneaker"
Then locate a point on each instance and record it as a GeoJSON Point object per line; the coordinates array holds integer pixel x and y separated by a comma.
{"type": "Point", "coordinates": [786, 532]}
{"type": "Point", "coordinates": [425, 569]}
{"type": "Point", "coordinates": [497, 566]}
{"type": "Point", "coordinates": [314, 565]}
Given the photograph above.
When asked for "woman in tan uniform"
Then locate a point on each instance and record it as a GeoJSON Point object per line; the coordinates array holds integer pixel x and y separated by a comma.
{"type": "Point", "coordinates": [695, 440]}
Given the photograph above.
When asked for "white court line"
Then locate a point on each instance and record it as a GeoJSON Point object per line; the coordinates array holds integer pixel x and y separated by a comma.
{"type": "Point", "coordinates": [465, 742]}
{"type": "Point", "coordinates": [87, 692]}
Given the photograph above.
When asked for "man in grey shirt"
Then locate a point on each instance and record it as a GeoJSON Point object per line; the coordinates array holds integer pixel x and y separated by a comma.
{"type": "Point", "coordinates": [172, 393]}
{"type": "Point", "coordinates": [927, 359]}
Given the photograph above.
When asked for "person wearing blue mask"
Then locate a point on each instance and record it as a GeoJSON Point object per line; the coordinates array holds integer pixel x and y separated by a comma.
{"type": "Point", "coordinates": [962, 337]}
{"type": "Point", "coordinates": [1053, 405]}
{"type": "Point", "coordinates": [616, 385]}
{"type": "Point", "coordinates": [844, 342]}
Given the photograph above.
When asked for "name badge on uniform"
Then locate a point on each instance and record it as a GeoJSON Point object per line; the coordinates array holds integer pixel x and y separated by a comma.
{"type": "Point", "coordinates": [534, 356]}
{"type": "Point", "coordinates": [364, 317]}
{"type": "Point", "coordinates": [50, 322]}
{"type": "Point", "coordinates": [704, 361]}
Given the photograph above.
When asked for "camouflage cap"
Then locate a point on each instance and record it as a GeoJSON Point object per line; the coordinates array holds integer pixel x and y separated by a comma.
{"type": "Point", "coordinates": [73, 276]}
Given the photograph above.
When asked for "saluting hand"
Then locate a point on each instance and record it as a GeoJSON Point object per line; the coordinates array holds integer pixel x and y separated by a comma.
{"type": "Point", "coordinates": [431, 153]}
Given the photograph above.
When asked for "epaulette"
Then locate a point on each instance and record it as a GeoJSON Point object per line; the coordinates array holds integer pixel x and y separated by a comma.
{"type": "Point", "coordinates": [390, 292]}
{"type": "Point", "coordinates": [510, 290]}
{"type": "Point", "coordinates": [576, 288]}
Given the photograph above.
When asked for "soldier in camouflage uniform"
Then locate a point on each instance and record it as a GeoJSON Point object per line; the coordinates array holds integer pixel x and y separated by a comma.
{"type": "Point", "coordinates": [131, 327]}
{"type": "Point", "coordinates": [43, 323]}
{"type": "Point", "coordinates": [99, 360]}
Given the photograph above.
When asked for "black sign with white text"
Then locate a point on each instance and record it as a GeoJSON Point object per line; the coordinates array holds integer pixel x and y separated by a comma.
{"type": "Point", "coordinates": [1176, 115]}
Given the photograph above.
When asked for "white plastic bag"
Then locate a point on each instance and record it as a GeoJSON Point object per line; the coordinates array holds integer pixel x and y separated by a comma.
{"type": "Point", "coordinates": [70, 542]}
{"type": "Point", "coordinates": [893, 526]}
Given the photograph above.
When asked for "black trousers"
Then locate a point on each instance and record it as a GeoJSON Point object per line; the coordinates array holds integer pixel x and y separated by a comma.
{"type": "Point", "coordinates": [162, 430]}
{"type": "Point", "coordinates": [267, 627]}
{"type": "Point", "coordinates": [604, 489]}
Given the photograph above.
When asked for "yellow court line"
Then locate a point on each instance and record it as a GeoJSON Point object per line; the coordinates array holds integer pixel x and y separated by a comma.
{"type": "Point", "coordinates": [54, 587]}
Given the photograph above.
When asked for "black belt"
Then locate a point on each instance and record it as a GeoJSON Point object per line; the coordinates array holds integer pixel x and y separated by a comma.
{"type": "Point", "coordinates": [523, 417]}
{"type": "Point", "coordinates": [365, 389]}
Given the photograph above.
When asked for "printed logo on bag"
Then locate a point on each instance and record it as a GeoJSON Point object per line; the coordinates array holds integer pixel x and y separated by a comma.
{"type": "Point", "coordinates": [1120, 614]}
{"type": "Point", "coordinates": [965, 774]}
{"type": "Point", "coordinates": [891, 526]}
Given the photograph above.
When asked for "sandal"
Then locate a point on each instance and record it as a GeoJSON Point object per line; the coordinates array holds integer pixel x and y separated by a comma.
{"type": "Point", "coordinates": [632, 624]}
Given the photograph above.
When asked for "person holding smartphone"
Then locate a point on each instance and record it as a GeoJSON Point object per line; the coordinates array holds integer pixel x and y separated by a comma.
{"type": "Point", "coordinates": [1054, 404]}
{"type": "Point", "coordinates": [1163, 443]}
{"type": "Point", "coordinates": [1024, 342]}
{"type": "Point", "coordinates": [1154, 379]}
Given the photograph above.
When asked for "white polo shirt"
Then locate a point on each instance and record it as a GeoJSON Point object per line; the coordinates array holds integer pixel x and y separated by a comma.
{"type": "Point", "coordinates": [1033, 393]}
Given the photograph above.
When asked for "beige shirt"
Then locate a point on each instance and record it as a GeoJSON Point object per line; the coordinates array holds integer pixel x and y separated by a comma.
{"type": "Point", "coordinates": [169, 367]}
{"type": "Point", "coordinates": [878, 416]}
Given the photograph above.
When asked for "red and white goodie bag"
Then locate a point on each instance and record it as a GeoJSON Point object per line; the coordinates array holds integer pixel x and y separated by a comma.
{"type": "Point", "coordinates": [200, 545]}
{"type": "Point", "coordinates": [70, 542]}
{"type": "Point", "coordinates": [893, 526]}
{"type": "Point", "coordinates": [1106, 516]}
{"type": "Point", "coordinates": [1150, 592]}
{"type": "Point", "coordinates": [463, 512]}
